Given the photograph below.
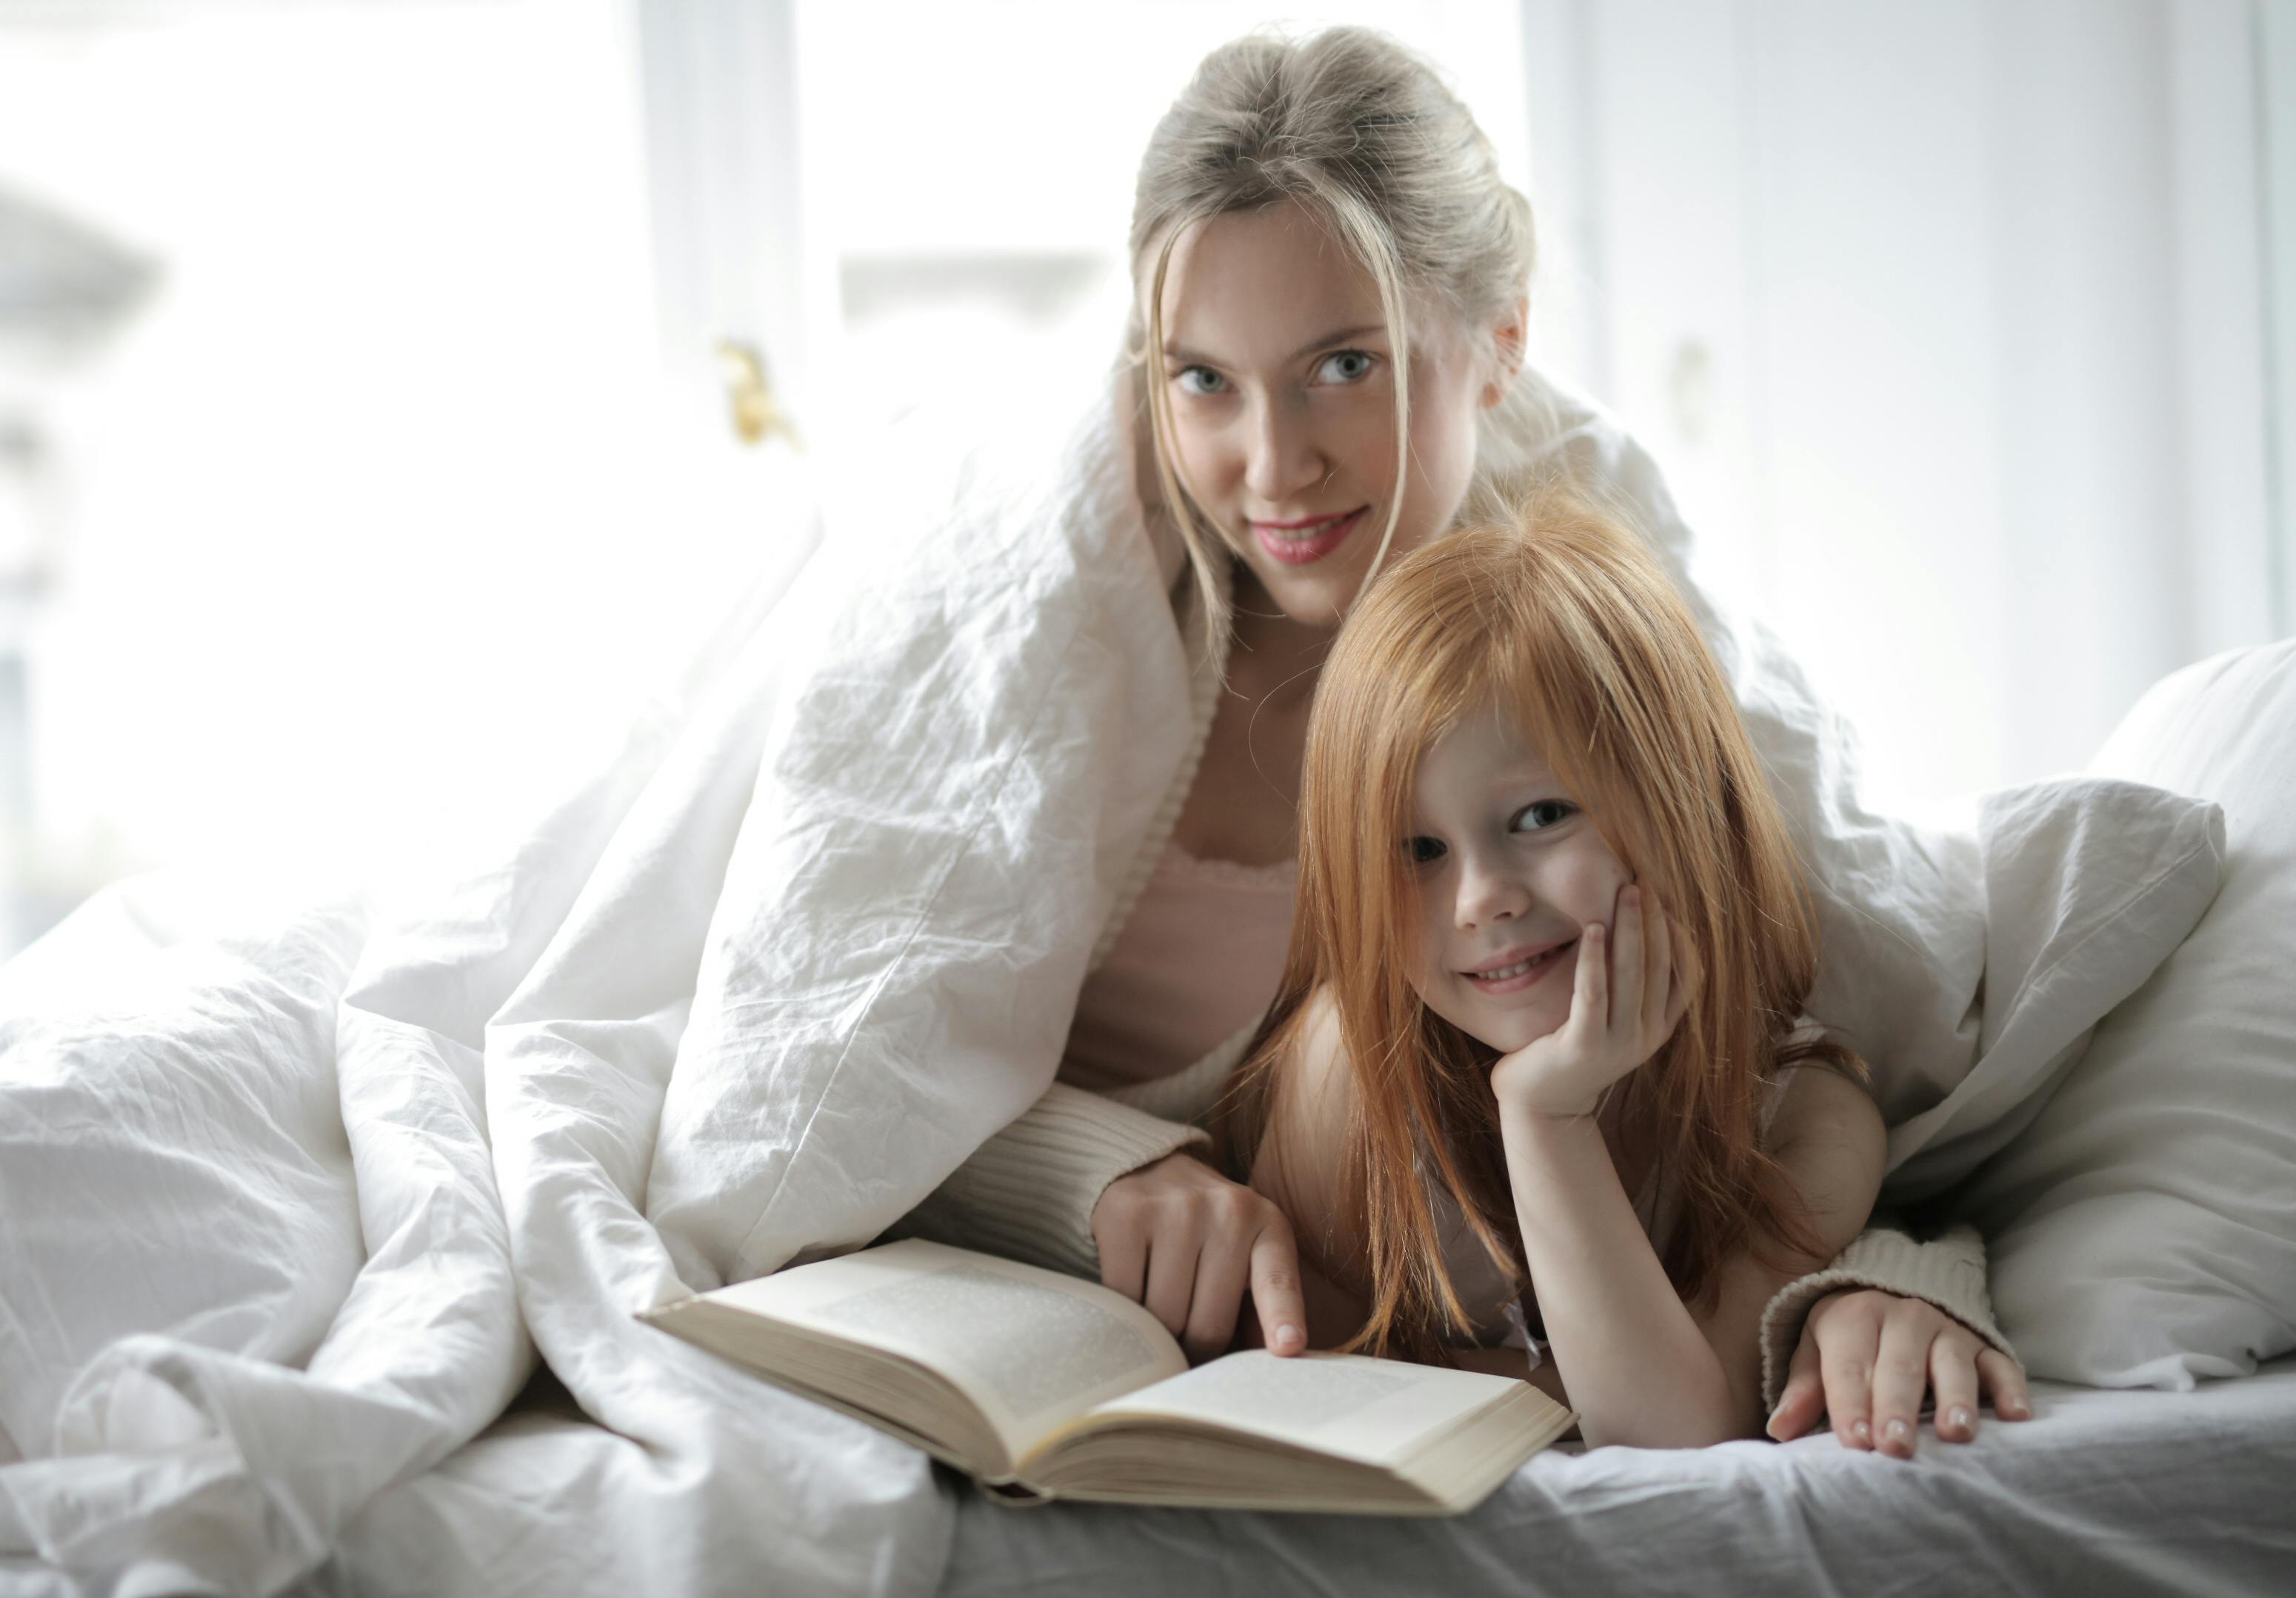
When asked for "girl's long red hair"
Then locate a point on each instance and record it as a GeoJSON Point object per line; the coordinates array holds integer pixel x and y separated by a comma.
{"type": "Point", "coordinates": [1561, 618]}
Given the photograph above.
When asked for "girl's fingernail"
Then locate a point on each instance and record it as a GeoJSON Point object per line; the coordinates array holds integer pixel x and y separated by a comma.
{"type": "Point", "coordinates": [1899, 1433]}
{"type": "Point", "coordinates": [1959, 1418]}
{"type": "Point", "coordinates": [1863, 1433]}
{"type": "Point", "coordinates": [1287, 1336]}
{"type": "Point", "coordinates": [2015, 1408]}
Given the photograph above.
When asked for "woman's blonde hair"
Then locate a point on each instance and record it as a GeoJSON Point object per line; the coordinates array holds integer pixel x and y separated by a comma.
{"type": "Point", "coordinates": [1566, 623]}
{"type": "Point", "coordinates": [1363, 134]}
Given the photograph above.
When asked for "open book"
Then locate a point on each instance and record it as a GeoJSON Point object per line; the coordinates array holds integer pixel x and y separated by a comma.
{"type": "Point", "coordinates": [1043, 1386]}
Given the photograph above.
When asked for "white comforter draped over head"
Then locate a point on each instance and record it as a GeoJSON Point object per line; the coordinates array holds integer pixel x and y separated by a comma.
{"type": "Point", "coordinates": [287, 1195]}
{"type": "Point", "coordinates": [951, 796]}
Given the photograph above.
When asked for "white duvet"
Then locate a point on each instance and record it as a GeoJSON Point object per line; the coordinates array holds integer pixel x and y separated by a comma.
{"type": "Point", "coordinates": [292, 1193]}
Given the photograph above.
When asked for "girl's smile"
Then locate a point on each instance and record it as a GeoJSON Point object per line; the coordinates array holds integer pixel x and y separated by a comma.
{"type": "Point", "coordinates": [1519, 969]}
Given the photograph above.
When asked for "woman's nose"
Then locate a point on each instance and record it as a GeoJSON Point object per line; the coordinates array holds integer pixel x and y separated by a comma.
{"type": "Point", "coordinates": [1284, 464]}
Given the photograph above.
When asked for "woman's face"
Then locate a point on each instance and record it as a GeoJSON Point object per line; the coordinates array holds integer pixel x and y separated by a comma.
{"type": "Point", "coordinates": [1510, 872]}
{"type": "Point", "coordinates": [1280, 367]}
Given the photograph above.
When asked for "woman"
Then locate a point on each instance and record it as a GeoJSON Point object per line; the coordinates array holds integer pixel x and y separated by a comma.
{"type": "Point", "coordinates": [1328, 360]}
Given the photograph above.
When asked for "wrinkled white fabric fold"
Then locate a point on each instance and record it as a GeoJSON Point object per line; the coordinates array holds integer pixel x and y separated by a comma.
{"type": "Point", "coordinates": [167, 1454]}
{"type": "Point", "coordinates": [380, 1156]}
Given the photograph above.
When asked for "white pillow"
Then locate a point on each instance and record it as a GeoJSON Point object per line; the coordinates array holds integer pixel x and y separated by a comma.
{"type": "Point", "coordinates": [2086, 885]}
{"type": "Point", "coordinates": [2143, 1227]}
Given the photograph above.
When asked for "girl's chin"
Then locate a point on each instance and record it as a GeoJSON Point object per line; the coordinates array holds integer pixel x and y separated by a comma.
{"type": "Point", "coordinates": [1504, 1030]}
{"type": "Point", "coordinates": [1507, 1032]}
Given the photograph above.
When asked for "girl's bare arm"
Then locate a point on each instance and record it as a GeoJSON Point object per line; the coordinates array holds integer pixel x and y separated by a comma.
{"type": "Point", "coordinates": [1643, 1368]}
{"type": "Point", "coordinates": [1297, 1168]}
{"type": "Point", "coordinates": [1829, 1136]}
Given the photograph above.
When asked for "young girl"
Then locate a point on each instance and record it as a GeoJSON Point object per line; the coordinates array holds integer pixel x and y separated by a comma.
{"type": "Point", "coordinates": [1549, 956]}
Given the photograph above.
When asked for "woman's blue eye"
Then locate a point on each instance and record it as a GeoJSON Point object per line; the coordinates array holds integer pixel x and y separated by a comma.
{"type": "Point", "coordinates": [1544, 813]}
{"type": "Point", "coordinates": [1199, 380]}
{"type": "Point", "coordinates": [1423, 851]}
{"type": "Point", "coordinates": [1344, 367]}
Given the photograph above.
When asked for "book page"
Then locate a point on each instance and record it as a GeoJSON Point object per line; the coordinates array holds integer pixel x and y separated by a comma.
{"type": "Point", "coordinates": [1346, 1403]}
{"type": "Point", "coordinates": [1032, 1348]}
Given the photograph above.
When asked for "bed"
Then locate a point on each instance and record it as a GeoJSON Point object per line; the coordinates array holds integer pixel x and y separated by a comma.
{"type": "Point", "coordinates": [328, 1221]}
{"type": "Point", "coordinates": [2103, 1492]}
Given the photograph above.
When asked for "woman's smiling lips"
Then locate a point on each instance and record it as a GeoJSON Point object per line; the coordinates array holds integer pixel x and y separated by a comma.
{"type": "Point", "coordinates": [1518, 969]}
{"type": "Point", "coordinates": [1299, 543]}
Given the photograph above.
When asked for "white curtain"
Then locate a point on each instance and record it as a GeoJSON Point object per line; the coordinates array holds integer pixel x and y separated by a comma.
{"type": "Point", "coordinates": [1945, 320]}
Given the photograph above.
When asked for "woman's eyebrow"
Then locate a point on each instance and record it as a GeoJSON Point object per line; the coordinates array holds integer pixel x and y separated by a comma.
{"type": "Point", "coordinates": [1188, 357]}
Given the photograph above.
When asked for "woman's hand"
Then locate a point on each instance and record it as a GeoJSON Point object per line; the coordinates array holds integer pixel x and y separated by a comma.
{"type": "Point", "coordinates": [1621, 1010]}
{"type": "Point", "coordinates": [1866, 1359]}
{"type": "Point", "coordinates": [1187, 1243]}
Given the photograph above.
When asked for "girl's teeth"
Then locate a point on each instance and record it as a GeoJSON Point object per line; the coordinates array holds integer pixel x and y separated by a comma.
{"type": "Point", "coordinates": [1503, 973]}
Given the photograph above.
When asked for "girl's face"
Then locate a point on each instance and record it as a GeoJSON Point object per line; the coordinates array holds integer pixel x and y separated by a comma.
{"type": "Point", "coordinates": [1280, 368]}
{"type": "Point", "coordinates": [1509, 870]}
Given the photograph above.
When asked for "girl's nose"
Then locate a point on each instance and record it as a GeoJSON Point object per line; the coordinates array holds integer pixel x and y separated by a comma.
{"type": "Point", "coordinates": [1284, 464]}
{"type": "Point", "coordinates": [1487, 897]}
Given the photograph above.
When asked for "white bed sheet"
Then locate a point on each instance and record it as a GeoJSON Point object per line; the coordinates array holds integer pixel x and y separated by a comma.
{"type": "Point", "coordinates": [2103, 1492]}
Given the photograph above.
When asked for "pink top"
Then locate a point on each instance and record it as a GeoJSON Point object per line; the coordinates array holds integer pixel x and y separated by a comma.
{"type": "Point", "coordinates": [1197, 962]}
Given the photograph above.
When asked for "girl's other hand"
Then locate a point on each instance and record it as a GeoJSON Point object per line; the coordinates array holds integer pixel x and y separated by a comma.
{"type": "Point", "coordinates": [1183, 1240]}
{"type": "Point", "coordinates": [1866, 1360]}
{"type": "Point", "coordinates": [1622, 1008]}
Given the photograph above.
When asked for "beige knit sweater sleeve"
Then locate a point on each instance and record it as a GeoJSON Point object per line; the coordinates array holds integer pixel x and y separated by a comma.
{"type": "Point", "coordinates": [1948, 1271]}
{"type": "Point", "coordinates": [1029, 1193]}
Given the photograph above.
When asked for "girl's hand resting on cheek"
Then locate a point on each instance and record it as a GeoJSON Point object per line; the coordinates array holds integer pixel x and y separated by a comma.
{"type": "Point", "coordinates": [1185, 1242]}
{"type": "Point", "coordinates": [1622, 1008]}
{"type": "Point", "coordinates": [1866, 1359]}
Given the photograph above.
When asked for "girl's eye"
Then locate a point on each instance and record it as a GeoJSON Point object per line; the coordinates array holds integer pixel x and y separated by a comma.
{"type": "Point", "coordinates": [1199, 380]}
{"type": "Point", "coordinates": [1423, 851]}
{"type": "Point", "coordinates": [1541, 814]}
{"type": "Point", "coordinates": [1344, 367]}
